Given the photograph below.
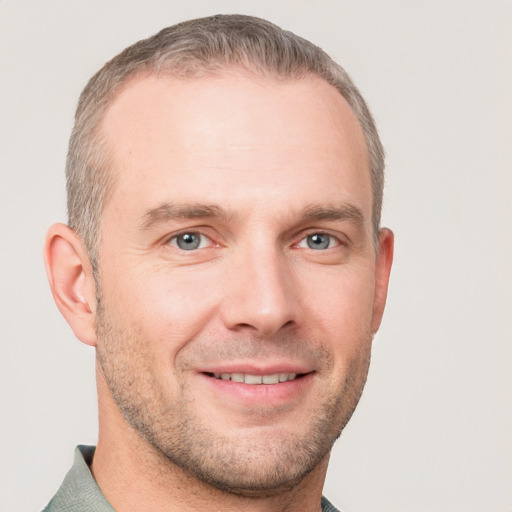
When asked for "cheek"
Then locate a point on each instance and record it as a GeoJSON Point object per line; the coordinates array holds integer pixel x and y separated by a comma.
{"type": "Point", "coordinates": [168, 307]}
{"type": "Point", "coordinates": [344, 303]}
{"type": "Point", "coordinates": [341, 316]}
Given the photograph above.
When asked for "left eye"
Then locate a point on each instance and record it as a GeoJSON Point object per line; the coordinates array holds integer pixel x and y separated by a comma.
{"type": "Point", "coordinates": [190, 241]}
{"type": "Point", "coordinates": [319, 241]}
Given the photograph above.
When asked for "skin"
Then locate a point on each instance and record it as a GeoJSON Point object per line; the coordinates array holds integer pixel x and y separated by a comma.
{"type": "Point", "coordinates": [255, 168]}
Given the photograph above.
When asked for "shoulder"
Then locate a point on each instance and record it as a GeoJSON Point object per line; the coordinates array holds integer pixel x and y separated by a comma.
{"type": "Point", "coordinates": [79, 492]}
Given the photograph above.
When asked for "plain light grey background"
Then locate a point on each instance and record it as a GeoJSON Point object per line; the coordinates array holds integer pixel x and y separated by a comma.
{"type": "Point", "coordinates": [433, 430]}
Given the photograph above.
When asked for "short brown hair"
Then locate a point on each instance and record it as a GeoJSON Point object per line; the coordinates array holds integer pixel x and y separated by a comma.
{"type": "Point", "coordinates": [192, 49]}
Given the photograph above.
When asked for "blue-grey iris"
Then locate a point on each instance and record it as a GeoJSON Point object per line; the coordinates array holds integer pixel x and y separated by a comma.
{"type": "Point", "coordinates": [188, 241]}
{"type": "Point", "coordinates": [318, 241]}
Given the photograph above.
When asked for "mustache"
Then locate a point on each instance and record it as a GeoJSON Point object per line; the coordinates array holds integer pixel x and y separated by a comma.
{"type": "Point", "coordinates": [254, 348]}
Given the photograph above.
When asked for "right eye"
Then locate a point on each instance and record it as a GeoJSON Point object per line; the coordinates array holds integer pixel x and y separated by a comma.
{"type": "Point", "coordinates": [190, 241]}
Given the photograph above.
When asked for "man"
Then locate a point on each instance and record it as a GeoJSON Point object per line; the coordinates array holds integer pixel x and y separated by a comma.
{"type": "Point", "coordinates": [224, 257]}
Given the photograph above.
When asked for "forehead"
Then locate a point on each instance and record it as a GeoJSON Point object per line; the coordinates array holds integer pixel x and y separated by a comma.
{"type": "Point", "coordinates": [220, 135]}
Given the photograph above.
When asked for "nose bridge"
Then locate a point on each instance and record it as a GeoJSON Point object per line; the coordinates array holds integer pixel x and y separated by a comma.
{"type": "Point", "coordinates": [261, 291]}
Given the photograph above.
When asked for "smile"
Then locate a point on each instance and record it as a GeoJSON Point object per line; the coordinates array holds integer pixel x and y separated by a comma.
{"type": "Point", "coordinates": [247, 378]}
{"type": "Point", "coordinates": [263, 389]}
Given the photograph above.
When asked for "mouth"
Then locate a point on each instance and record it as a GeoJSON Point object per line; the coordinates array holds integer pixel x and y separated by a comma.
{"type": "Point", "coordinates": [253, 379]}
{"type": "Point", "coordinates": [258, 389]}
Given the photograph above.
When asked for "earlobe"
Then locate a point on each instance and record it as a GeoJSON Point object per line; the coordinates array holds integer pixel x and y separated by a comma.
{"type": "Point", "coordinates": [382, 272]}
{"type": "Point", "coordinates": [71, 280]}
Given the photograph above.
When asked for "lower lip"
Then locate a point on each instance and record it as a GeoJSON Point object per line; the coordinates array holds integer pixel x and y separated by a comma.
{"type": "Point", "coordinates": [260, 394]}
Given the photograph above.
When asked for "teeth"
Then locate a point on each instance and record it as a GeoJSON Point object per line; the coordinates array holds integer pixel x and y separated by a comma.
{"type": "Point", "coordinates": [271, 379]}
{"type": "Point", "coordinates": [247, 378]}
{"type": "Point", "coordinates": [253, 379]}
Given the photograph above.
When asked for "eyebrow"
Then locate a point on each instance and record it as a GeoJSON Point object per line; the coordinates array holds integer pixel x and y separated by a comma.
{"type": "Point", "coordinates": [325, 212]}
{"type": "Point", "coordinates": [170, 211]}
{"type": "Point", "coordinates": [167, 212]}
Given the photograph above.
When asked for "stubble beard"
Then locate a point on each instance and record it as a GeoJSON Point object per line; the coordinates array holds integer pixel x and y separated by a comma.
{"type": "Point", "coordinates": [263, 463]}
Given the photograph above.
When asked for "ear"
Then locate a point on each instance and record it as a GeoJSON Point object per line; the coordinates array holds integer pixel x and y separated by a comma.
{"type": "Point", "coordinates": [382, 271]}
{"type": "Point", "coordinates": [71, 279]}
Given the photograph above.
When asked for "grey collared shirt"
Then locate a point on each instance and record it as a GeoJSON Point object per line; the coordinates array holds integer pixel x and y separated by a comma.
{"type": "Point", "coordinates": [80, 493]}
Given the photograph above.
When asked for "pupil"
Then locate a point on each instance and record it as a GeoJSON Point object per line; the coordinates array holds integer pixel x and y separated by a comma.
{"type": "Point", "coordinates": [318, 241]}
{"type": "Point", "coordinates": [188, 241]}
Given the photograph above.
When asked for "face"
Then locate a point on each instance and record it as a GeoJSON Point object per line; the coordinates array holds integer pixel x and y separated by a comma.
{"type": "Point", "coordinates": [239, 284]}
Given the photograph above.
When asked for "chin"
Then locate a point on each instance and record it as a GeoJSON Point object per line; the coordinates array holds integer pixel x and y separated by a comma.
{"type": "Point", "coordinates": [245, 469]}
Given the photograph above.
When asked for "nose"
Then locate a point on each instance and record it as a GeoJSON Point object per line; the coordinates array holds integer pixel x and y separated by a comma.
{"type": "Point", "coordinates": [260, 293]}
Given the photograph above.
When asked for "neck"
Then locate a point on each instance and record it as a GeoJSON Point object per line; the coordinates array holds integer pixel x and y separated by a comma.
{"type": "Point", "coordinates": [133, 475]}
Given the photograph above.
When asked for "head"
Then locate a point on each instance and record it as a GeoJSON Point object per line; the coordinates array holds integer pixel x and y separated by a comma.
{"type": "Point", "coordinates": [225, 180]}
{"type": "Point", "coordinates": [196, 48]}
